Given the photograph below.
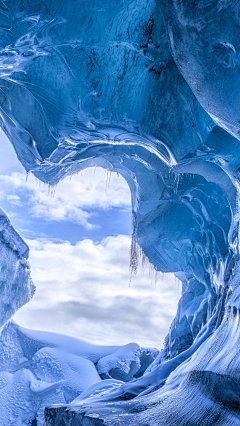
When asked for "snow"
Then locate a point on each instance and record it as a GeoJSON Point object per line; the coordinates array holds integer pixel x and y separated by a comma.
{"type": "Point", "coordinates": [42, 368]}
{"type": "Point", "coordinates": [121, 365]}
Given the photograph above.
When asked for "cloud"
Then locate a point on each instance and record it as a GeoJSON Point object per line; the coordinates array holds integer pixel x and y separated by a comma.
{"type": "Point", "coordinates": [73, 199]}
{"type": "Point", "coordinates": [14, 200]}
{"type": "Point", "coordinates": [83, 289]}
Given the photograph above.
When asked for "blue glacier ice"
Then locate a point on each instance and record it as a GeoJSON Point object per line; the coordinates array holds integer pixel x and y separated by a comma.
{"type": "Point", "coordinates": [148, 89]}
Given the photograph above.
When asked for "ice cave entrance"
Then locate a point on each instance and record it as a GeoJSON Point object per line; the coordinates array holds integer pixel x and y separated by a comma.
{"type": "Point", "coordinates": [80, 239]}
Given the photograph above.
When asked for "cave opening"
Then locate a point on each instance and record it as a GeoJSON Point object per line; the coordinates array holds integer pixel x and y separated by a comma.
{"type": "Point", "coordinates": [80, 247]}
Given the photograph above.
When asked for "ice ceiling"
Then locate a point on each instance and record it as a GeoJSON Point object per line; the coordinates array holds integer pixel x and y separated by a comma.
{"type": "Point", "coordinates": [149, 89]}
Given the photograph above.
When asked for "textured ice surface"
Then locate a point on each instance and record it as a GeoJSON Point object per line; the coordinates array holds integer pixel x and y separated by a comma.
{"type": "Point", "coordinates": [16, 285]}
{"type": "Point", "coordinates": [150, 90]}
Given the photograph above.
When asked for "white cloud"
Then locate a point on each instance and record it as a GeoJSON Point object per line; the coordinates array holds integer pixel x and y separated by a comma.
{"type": "Point", "coordinates": [73, 197]}
{"type": "Point", "coordinates": [83, 289]}
{"type": "Point", "coordinates": [14, 200]}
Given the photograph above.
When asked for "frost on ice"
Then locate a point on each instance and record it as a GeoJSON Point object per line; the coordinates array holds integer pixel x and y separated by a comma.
{"type": "Point", "coordinates": [149, 89]}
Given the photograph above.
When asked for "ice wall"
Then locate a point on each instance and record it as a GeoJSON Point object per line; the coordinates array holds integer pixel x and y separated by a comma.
{"type": "Point", "coordinates": [150, 90]}
{"type": "Point", "coordinates": [16, 285]}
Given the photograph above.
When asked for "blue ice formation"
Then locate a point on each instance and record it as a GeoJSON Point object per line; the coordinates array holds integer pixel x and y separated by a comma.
{"type": "Point", "coordinates": [149, 89]}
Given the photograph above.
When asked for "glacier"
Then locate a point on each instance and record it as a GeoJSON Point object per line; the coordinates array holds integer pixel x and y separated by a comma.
{"type": "Point", "coordinates": [147, 89]}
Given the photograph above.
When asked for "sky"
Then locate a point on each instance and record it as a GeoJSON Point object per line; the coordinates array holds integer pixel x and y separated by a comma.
{"type": "Point", "coordinates": [79, 238]}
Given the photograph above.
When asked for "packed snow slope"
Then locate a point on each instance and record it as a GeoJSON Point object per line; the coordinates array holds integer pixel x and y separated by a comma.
{"type": "Point", "coordinates": [148, 89]}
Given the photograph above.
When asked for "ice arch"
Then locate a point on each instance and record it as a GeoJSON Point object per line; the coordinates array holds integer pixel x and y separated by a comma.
{"type": "Point", "coordinates": [84, 284]}
{"type": "Point", "coordinates": [86, 84]}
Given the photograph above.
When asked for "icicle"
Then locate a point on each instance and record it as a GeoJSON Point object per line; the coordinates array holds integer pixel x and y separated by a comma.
{"type": "Point", "coordinates": [156, 277]}
{"type": "Point", "coordinates": [133, 259]}
{"type": "Point", "coordinates": [52, 191]}
{"type": "Point", "coordinates": [107, 178]}
{"type": "Point", "coordinates": [176, 181]}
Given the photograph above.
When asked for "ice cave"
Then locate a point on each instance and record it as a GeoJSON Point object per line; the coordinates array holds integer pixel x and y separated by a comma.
{"type": "Point", "coordinates": [148, 89]}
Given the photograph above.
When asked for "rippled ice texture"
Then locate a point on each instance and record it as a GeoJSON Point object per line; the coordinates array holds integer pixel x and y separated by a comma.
{"type": "Point", "coordinates": [149, 90]}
